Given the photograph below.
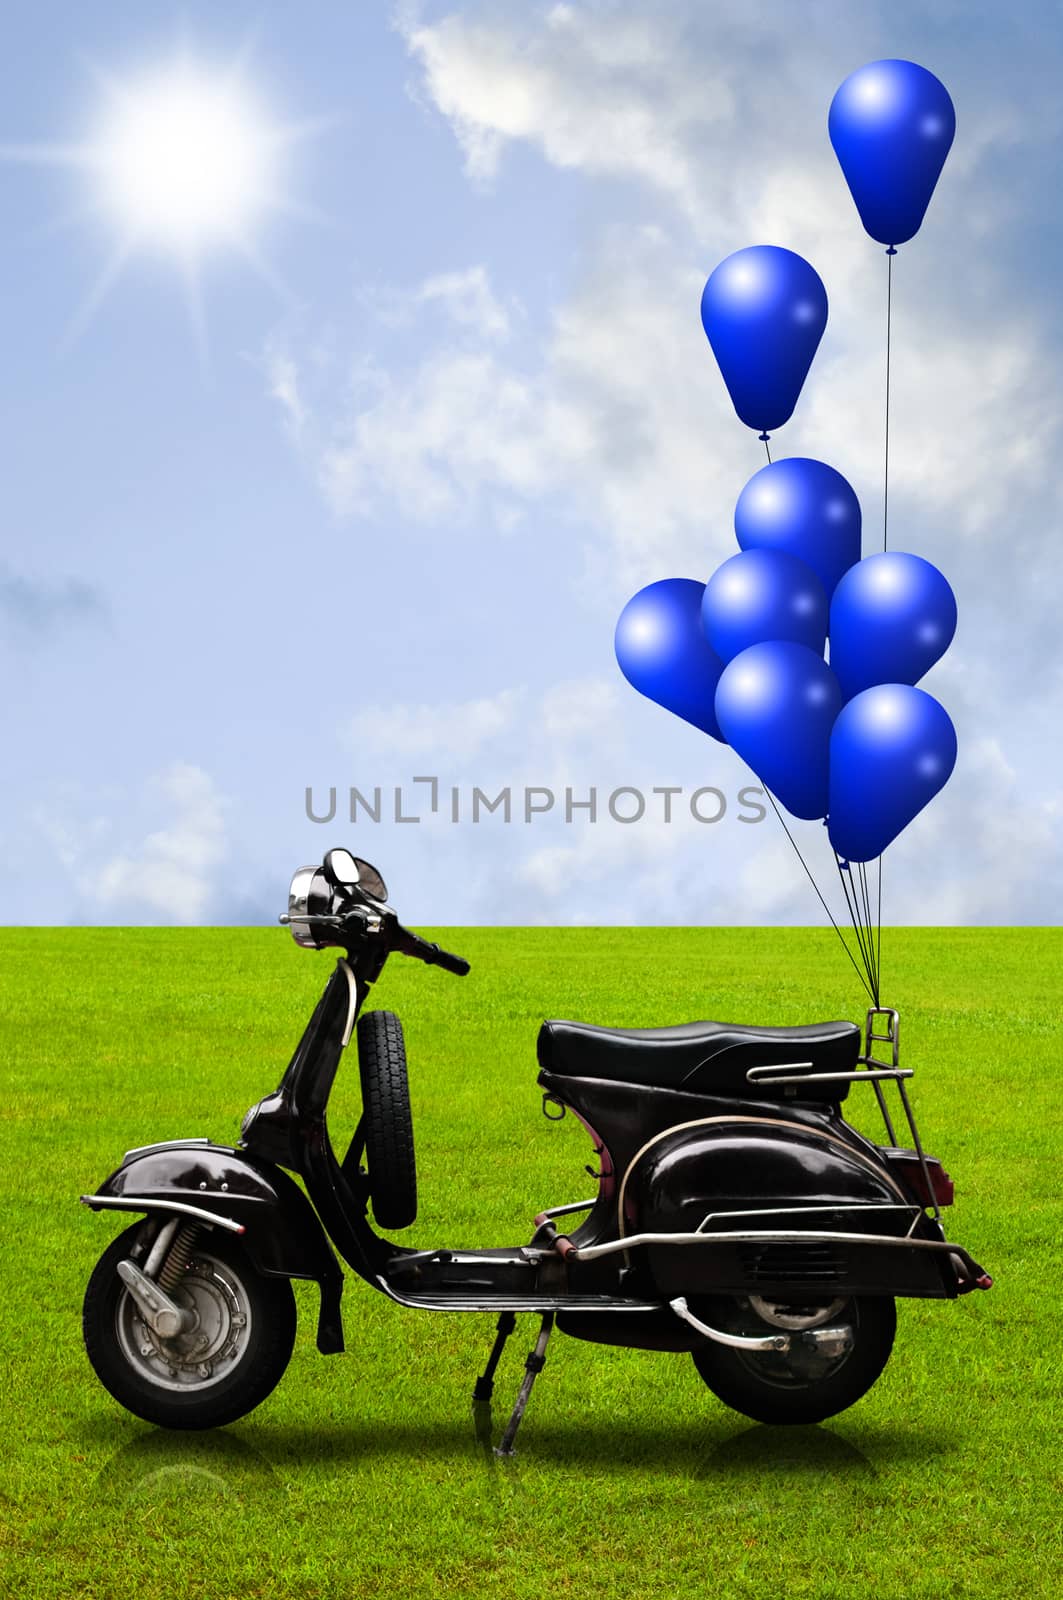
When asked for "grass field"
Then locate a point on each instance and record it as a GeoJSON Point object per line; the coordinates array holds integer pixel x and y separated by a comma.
{"type": "Point", "coordinates": [362, 1474]}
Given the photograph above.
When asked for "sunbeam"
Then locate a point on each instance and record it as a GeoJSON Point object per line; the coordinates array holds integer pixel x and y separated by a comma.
{"type": "Point", "coordinates": [185, 162]}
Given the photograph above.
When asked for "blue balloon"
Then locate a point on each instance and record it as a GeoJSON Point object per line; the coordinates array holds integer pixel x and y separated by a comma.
{"type": "Point", "coordinates": [805, 508]}
{"type": "Point", "coordinates": [764, 310]}
{"type": "Point", "coordinates": [891, 124]}
{"type": "Point", "coordinates": [892, 616]}
{"type": "Point", "coordinates": [762, 595]}
{"type": "Point", "coordinates": [663, 652]}
{"type": "Point", "coordinates": [892, 749]}
{"type": "Point", "coordinates": [776, 704]}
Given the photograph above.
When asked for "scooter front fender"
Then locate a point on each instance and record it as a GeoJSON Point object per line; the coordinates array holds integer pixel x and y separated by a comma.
{"type": "Point", "coordinates": [227, 1189]}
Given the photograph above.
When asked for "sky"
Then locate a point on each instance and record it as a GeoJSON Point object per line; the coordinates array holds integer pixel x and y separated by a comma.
{"type": "Point", "coordinates": [353, 493]}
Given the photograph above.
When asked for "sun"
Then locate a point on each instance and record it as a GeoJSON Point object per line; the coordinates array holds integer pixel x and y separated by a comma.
{"type": "Point", "coordinates": [183, 161]}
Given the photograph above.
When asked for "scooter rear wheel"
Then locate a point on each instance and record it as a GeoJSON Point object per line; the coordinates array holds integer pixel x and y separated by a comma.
{"type": "Point", "coordinates": [223, 1368]}
{"type": "Point", "coordinates": [800, 1385]}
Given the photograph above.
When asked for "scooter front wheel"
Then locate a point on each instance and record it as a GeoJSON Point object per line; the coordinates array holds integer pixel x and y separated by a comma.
{"type": "Point", "coordinates": [810, 1381]}
{"type": "Point", "coordinates": [229, 1360]}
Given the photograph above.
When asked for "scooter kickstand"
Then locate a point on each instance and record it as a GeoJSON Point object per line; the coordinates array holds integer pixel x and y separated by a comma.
{"type": "Point", "coordinates": [532, 1367]}
{"type": "Point", "coordinates": [484, 1387]}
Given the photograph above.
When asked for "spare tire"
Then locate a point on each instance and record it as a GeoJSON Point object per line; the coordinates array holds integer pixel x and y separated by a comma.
{"type": "Point", "coordinates": [387, 1123]}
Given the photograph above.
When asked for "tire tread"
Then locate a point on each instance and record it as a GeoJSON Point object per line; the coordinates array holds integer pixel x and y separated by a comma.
{"type": "Point", "coordinates": [387, 1119]}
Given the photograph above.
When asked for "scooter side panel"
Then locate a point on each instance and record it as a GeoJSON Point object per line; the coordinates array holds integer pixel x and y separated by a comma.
{"type": "Point", "coordinates": [734, 1163]}
{"type": "Point", "coordinates": [626, 1115]}
{"type": "Point", "coordinates": [761, 1176]}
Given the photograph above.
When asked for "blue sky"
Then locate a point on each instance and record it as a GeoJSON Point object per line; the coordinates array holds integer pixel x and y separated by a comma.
{"type": "Point", "coordinates": [384, 525]}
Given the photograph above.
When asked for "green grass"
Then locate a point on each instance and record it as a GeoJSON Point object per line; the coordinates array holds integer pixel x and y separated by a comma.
{"type": "Point", "coordinates": [362, 1475]}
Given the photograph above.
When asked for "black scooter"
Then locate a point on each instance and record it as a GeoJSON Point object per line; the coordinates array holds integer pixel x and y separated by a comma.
{"type": "Point", "coordinates": [738, 1216]}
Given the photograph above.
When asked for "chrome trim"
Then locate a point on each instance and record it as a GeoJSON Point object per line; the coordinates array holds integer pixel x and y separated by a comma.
{"type": "Point", "coordinates": [793, 1211]}
{"type": "Point", "coordinates": [777, 1312]}
{"type": "Point", "coordinates": [892, 1037]}
{"type": "Point", "coordinates": [564, 1211]}
{"type": "Point", "coordinates": [164, 1144]}
{"type": "Point", "coordinates": [299, 901]}
{"type": "Point", "coordinates": [791, 1075]}
{"type": "Point", "coordinates": [765, 1236]}
{"type": "Point", "coordinates": [352, 1003]}
{"type": "Point", "coordinates": [162, 1314]}
{"type": "Point", "coordinates": [517, 1302]}
{"type": "Point", "coordinates": [163, 1240]}
{"type": "Point", "coordinates": [830, 1342]}
{"type": "Point", "coordinates": [735, 1341]}
{"type": "Point", "coordinates": [144, 1202]}
{"type": "Point", "coordinates": [780, 1066]}
{"type": "Point", "coordinates": [927, 1180]}
{"type": "Point", "coordinates": [769, 1122]}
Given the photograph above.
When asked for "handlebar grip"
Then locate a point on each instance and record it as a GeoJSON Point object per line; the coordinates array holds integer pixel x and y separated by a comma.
{"type": "Point", "coordinates": [443, 958]}
{"type": "Point", "coordinates": [411, 944]}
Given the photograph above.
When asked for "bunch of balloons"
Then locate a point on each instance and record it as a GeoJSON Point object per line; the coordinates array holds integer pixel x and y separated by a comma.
{"type": "Point", "coordinates": [742, 658]}
{"type": "Point", "coordinates": [798, 653]}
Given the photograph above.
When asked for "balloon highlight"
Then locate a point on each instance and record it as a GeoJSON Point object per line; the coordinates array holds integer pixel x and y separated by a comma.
{"type": "Point", "coordinates": [662, 651]}
{"type": "Point", "coordinates": [761, 595]}
{"type": "Point", "coordinates": [764, 310]}
{"type": "Point", "coordinates": [892, 616]}
{"type": "Point", "coordinates": [806, 509]}
{"type": "Point", "coordinates": [892, 749]}
{"type": "Point", "coordinates": [776, 704]}
{"type": "Point", "coordinates": [892, 124]}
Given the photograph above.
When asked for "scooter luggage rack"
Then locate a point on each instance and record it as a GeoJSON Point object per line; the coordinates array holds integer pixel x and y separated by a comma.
{"type": "Point", "coordinates": [868, 1070]}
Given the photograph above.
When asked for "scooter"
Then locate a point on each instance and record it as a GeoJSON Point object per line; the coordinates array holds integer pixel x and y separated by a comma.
{"type": "Point", "coordinates": [738, 1217]}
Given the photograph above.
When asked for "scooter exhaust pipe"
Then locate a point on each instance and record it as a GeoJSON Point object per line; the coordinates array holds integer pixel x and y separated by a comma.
{"type": "Point", "coordinates": [831, 1342]}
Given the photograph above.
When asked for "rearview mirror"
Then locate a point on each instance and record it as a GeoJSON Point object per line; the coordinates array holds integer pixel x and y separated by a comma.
{"type": "Point", "coordinates": [351, 872]}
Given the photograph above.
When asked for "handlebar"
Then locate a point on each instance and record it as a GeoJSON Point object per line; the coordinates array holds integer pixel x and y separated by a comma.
{"type": "Point", "coordinates": [409, 943]}
{"type": "Point", "coordinates": [356, 919]}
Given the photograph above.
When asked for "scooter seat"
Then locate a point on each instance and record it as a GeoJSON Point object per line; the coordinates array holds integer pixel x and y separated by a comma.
{"type": "Point", "coordinates": [700, 1057]}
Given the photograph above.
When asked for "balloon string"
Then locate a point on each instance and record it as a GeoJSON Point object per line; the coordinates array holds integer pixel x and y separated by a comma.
{"type": "Point", "coordinates": [878, 957]}
{"type": "Point", "coordinates": [767, 449]}
{"type": "Point", "coordinates": [815, 885]}
{"type": "Point", "coordinates": [890, 253]}
{"type": "Point", "coordinates": [852, 905]}
{"type": "Point", "coordinates": [854, 885]}
{"type": "Point", "coordinates": [852, 901]}
{"type": "Point", "coordinates": [886, 463]}
{"type": "Point", "coordinates": [865, 894]}
{"type": "Point", "coordinates": [865, 918]}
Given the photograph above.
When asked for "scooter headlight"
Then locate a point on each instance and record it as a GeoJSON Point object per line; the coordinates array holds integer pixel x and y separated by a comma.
{"type": "Point", "coordinates": [310, 895]}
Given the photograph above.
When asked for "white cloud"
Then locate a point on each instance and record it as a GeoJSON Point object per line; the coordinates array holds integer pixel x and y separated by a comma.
{"type": "Point", "coordinates": [170, 874]}
{"type": "Point", "coordinates": [462, 426]}
{"type": "Point", "coordinates": [468, 298]}
{"type": "Point", "coordinates": [742, 149]}
{"type": "Point", "coordinates": [456, 730]}
{"type": "Point", "coordinates": [623, 421]}
{"type": "Point", "coordinates": [984, 851]}
{"type": "Point", "coordinates": [608, 92]}
{"type": "Point", "coordinates": [465, 299]}
{"type": "Point", "coordinates": [617, 419]}
{"type": "Point", "coordinates": [578, 708]}
{"type": "Point", "coordinates": [283, 386]}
